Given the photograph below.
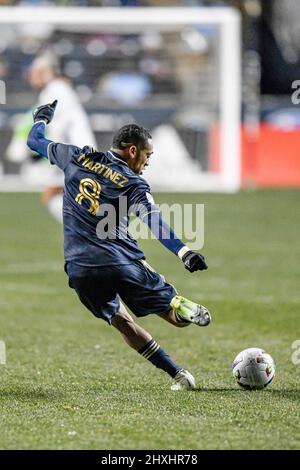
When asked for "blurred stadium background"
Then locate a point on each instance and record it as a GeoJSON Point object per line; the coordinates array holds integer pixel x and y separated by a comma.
{"type": "Point", "coordinates": [69, 381]}
{"type": "Point", "coordinates": [173, 85]}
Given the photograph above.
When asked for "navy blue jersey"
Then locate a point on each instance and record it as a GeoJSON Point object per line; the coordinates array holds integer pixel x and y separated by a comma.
{"type": "Point", "coordinates": [93, 180]}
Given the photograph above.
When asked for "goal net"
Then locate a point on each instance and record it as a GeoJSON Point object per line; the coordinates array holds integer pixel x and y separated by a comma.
{"type": "Point", "coordinates": [176, 71]}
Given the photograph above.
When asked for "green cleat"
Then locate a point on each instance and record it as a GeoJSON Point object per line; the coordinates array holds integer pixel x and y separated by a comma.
{"type": "Point", "coordinates": [190, 312]}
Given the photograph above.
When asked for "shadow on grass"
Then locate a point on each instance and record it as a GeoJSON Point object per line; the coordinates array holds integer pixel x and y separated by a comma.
{"type": "Point", "coordinates": [218, 390]}
{"type": "Point", "coordinates": [31, 394]}
{"type": "Point", "coordinates": [291, 394]}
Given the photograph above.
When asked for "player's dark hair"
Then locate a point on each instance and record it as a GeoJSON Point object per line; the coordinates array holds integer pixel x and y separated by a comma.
{"type": "Point", "coordinates": [131, 134]}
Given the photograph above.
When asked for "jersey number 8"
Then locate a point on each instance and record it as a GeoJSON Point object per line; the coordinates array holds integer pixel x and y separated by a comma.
{"type": "Point", "coordinates": [90, 191]}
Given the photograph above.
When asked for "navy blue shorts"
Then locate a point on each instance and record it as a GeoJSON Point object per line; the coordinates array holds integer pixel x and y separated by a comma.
{"type": "Point", "coordinates": [142, 289]}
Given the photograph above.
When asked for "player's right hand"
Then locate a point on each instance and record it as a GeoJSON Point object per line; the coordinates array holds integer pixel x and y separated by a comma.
{"type": "Point", "coordinates": [194, 261]}
{"type": "Point", "coordinates": [45, 112]}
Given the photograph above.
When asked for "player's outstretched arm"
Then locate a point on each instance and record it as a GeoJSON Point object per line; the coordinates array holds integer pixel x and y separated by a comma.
{"type": "Point", "coordinates": [36, 139]}
{"type": "Point", "coordinates": [192, 260]}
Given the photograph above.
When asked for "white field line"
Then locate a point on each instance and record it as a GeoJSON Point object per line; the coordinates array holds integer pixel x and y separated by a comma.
{"type": "Point", "coordinates": [26, 288]}
{"type": "Point", "coordinates": [33, 268]}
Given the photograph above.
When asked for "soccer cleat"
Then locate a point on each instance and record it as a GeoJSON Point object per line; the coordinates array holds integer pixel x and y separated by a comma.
{"type": "Point", "coordinates": [190, 312]}
{"type": "Point", "coordinates": [183, 381]}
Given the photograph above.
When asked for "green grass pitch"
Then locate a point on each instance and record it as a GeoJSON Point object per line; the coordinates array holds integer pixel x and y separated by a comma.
{"type": "Point", "coordinates": [70, 381]}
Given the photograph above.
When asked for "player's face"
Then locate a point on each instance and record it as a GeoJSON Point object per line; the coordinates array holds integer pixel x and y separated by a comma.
{"type": "Point", "coordinates": [39, 77]}
{"type": "Point", "coordinates": [140, 157]}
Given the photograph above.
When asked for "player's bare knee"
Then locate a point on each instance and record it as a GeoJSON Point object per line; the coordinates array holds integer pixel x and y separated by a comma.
{"type": "Point", "coordinates": [49, 192]}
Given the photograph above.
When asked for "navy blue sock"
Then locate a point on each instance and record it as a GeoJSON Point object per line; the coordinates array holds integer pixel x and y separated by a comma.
{"type": "Point", "coordinates": [159, 358]}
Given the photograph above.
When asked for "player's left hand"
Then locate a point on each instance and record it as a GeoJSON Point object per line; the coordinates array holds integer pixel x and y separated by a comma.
{"type": "Point", "coordinates": [45, 112]}
{"type": "Point", "coordinates": [194, 261]}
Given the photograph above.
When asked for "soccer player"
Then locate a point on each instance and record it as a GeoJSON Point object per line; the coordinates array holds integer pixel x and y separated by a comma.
{"type": "Point", "coordinates": [102, 269]}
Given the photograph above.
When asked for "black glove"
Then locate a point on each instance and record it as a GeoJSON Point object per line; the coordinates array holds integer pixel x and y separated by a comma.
{"type": "Point", "coordinates": [44, 112]}
{"type": "Point", "coordinates": [194, 261]}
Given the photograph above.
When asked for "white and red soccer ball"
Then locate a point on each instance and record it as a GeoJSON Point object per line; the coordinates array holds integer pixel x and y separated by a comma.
{"type": "Point", "coordinates": [253, 369]}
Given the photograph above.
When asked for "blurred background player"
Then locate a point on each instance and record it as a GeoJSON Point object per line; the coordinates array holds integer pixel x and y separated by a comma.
{"type": "Point", "coordinates": [71, 125]}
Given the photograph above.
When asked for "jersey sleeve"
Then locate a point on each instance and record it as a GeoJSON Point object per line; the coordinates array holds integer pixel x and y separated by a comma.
{"type": "Point", "coordinates": [61, 154]}
{"type": "Point", "coordinates": [143, 206]}
{"type": "Point", "coordinates": [57, 154]}
{"type": "Point", "coordinates": [141, 201]}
